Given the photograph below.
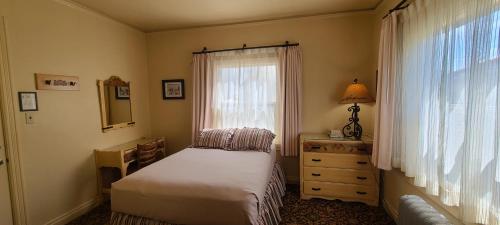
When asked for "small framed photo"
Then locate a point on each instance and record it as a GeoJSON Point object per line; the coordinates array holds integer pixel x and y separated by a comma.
{"type": "Point", "coordinates": [28, 101]}
{"type": "Point", "coordinates": [122, 92]}
{"type": "Point", "coordinates": [173, 89]}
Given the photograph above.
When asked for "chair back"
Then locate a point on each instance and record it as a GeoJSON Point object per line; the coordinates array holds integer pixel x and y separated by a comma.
{"type": "Point", "coordinates": [147, 154]}
{"type": "Point", "coordinates": [160, 143]}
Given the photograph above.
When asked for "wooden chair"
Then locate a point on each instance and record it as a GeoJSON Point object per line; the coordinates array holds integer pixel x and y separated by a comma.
{"type": "Point", "coordinates": [160, 142]}
{"type": "Point", "coordinates": [147, 154]}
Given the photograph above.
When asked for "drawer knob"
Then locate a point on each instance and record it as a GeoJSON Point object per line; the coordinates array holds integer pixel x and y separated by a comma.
{"type": "Point", "coordinates": [362, 163]}
{"type": "Point", "coordinates": [316, 160]}
{"type": "Point", "coordinates": [316, 174]}
{"type": "Point", "coordinates": [315, 147]}
{"type": "Point", "coordinates": [361, 178]}
{"type": "Point", "coordinates": [361, 192]}
{"type": "Point", "coordinates": [316, 189]}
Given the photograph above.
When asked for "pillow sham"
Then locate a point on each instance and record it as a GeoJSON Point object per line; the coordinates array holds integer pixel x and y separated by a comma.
{"type": "Point", "coordinates": [252, 139]}
{"type": "Point", "coordinates": [214, 138]}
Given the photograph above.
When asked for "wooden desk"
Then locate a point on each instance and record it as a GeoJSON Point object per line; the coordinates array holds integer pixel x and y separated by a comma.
{"type": "Point", "coordinates": [119, 156]}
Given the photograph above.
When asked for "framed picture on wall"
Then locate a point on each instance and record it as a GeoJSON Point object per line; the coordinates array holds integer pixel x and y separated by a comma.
{"type": "Point", "coordinates": [57, 82]}
{"type": "Point", "coordinates": [122, 92]}
{"type": "Point", "coordinates": [173, 89]}
{"type": "Point", "coordinates": [27, 101]}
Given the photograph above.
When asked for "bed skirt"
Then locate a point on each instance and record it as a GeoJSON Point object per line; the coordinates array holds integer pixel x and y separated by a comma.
{"type": "Point", "coordinates": [268, 210]}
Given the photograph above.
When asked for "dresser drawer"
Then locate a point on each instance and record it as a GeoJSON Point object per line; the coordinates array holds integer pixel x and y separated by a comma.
{"type": "Point", "coordinates": [347, 161]}
{"type": "Point", "coordinates": [348, 176]}
{"type": "Point", "coordinates": [337, 190]}
{"type": "Point", "coordinates": [335, 147]}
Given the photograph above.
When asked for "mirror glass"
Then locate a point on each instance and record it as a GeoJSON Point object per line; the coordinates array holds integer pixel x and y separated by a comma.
{"type": "Point", "coordinates": [115, 102]}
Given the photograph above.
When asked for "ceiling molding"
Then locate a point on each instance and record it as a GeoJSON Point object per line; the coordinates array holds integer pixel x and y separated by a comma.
{"type": "Point", "coordinates": [79, 6]}
{"type": "Point", "coordinates": [271, 21]}
{"type": "Point", "coordinates": [83, 8]}
{"type": "Point", "coordinates": [377, 5]}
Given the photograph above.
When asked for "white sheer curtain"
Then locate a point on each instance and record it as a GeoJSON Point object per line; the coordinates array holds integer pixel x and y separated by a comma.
{"type": "Point", "coordinates": [387, 91]}
{"type": "Point", "coordinates": [246, 89]}
{"type": "Point", "coordinates": [447, 120]}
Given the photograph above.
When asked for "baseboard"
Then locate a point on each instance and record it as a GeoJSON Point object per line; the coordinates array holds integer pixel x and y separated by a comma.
{"type": "Point", "coordinates": [390, 210]}
{"type": "Point", "coordinates": [75, 212]}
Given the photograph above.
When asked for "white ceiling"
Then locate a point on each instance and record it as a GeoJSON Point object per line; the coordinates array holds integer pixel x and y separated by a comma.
{"type": "Point", "coordinates": [155, 15]}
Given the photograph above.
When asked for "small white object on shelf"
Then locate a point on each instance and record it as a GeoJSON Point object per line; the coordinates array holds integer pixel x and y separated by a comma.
{"type": "Point", "coordinates": [336, 134]}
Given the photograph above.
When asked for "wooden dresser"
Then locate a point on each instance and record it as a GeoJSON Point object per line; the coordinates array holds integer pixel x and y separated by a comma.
{"type": "Point", "coordinates": [337, 169]}
{"type": "Point", "coordinates": [118, 157]}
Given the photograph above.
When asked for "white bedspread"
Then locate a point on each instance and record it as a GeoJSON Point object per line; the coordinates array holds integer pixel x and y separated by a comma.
{"type": "Point", "coordinates": [197, 186]}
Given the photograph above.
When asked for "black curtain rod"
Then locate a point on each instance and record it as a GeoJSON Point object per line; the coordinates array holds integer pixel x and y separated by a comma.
{"type": "Point", "coordinates": [245, 47]}
{"type": "Point", "coordinates": [397, 7]}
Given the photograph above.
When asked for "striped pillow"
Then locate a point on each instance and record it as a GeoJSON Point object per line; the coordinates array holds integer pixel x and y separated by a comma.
{"type": "Point", "coordinates": [214, 138]}
{"type": "Point", "coordinates": [252, 139]}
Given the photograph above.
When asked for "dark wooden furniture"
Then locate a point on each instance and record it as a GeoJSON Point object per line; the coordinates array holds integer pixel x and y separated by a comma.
{"type": "Point", "coordinates": [148, 153]}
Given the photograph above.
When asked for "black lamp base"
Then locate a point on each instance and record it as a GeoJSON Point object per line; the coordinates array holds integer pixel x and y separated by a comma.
{"type": "Point", "coordinates": [353, 129]}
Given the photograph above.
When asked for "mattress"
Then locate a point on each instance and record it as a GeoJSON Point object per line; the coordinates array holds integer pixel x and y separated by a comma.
{"type": "Point", "coordinates": [197, 186]}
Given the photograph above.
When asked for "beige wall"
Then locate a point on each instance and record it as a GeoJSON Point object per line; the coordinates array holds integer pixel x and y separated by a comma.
{"type": "Point", "coordinates": [336, 49]}
{"type": "Point", "coordinates": [57, 151]}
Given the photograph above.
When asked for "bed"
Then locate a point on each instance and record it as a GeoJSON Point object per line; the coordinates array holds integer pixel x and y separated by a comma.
{"type": "Point", "coordinates": [202, 186]}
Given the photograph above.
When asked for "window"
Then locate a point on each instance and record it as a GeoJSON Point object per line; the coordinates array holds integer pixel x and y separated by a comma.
{"type": "Point", "coordinates": [449, 113]}
{"type": "Point", "coordinates": [246, 90]}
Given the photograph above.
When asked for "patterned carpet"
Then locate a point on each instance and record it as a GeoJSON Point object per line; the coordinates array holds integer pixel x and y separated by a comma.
{"type": "Point", "coordinates": [294, 212]}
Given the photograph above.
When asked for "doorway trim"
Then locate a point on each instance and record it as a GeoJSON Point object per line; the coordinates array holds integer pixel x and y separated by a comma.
{"type": "Point", "coordinates": [7, 115]}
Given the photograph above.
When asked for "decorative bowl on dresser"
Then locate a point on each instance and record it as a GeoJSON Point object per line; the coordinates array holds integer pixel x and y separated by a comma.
{"type": "Point", "coordinates": [337, 169]}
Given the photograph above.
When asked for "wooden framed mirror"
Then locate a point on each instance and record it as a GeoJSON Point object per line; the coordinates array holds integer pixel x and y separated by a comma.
{"type": "Point", "coordinates": [116, 107]}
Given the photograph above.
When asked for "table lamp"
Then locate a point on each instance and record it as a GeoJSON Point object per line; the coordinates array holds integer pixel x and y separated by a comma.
{"type": "Point", "coordinates": [355, 93]}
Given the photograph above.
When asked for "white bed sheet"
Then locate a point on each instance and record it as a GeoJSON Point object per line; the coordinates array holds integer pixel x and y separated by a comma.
{"type": "Point", "coordinates": [197, 186]}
